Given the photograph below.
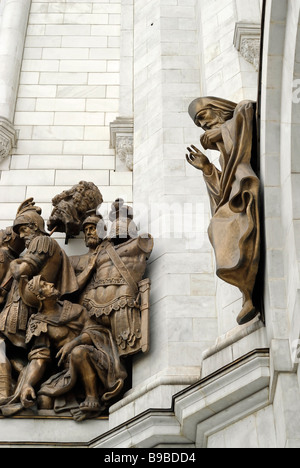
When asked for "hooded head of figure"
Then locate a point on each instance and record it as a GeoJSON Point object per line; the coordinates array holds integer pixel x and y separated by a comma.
{"type": "Point", "coordinates": [210, 112]}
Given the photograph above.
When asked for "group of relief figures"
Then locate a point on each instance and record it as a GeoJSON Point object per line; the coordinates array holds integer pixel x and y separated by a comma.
{"type": "Point", "coordinates": [67, 324]}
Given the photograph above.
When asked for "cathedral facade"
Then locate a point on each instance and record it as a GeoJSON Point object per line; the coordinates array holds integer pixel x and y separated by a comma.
{"type": "Point", "coordinates": [99, 91]}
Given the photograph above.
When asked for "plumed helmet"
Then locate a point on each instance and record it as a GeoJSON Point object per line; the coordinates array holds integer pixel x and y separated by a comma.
{"type": "Point", "coordinates": [27, 214]}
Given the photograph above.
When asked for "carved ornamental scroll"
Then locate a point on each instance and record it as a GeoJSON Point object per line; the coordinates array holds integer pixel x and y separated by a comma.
{"type": "Point", "coordinates": [8, 138]}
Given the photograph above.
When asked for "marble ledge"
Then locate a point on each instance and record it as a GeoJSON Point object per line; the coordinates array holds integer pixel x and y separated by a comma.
{"type": "Point", "coordinates": [234, 344]}
{"type": "Point", "coordinates": [232, 336]}
{"type": "Point", "coordinates": [49, 432]}
{"type": "Point", "coordinates": [219, 400]}
{"type": "Point", "coordinates": [198, 410]}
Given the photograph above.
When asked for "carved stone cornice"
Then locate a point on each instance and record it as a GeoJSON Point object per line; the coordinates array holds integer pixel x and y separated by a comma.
{"type": "Point", "coordinates": [8, 137]}
{"type": "Point", "coordinates": [121, 139]}
{"type": "Point", "coordinates": [247, 42]}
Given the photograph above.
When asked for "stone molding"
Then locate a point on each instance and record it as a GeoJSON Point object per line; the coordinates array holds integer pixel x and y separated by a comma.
{"type": "Point", "coordinates": [8, 137]}
{"type": "Point", "coordinates": [199, 410]}
{"type": "Point", "coordinates": [49, 432]}
{"type": "Point", "coordinates": [232, 336]}
{"type": "Point", "coordinates": [247, 42]}
{"type": "Point", "coordinates": [121, 139]}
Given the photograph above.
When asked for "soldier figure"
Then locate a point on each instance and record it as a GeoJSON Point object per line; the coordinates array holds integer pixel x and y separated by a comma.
{"type": "Point", "coordinates": [43, 256]}
{"type": "Point", "coordinates": [94, 231]}
{"type": "Point", "coordinates": [92, 309]}
{"type": "Point", "coordinates": [116, 294]}
{"type": "Point", "coordinates": [11, 246]}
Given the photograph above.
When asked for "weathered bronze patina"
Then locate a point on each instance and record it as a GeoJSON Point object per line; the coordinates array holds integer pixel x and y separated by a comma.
{"type": "Point", "coordinates": [85, 350]}
{"type": "Point", "coordinates": [11, 246]}
{"type": "Point", "coordinates": [67, 324]}
{"type": "Point", "coordinates": [233, 190]}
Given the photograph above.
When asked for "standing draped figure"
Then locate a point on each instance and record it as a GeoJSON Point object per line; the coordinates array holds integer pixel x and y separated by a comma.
{"type": "Point", "coordinates": [234, 230]}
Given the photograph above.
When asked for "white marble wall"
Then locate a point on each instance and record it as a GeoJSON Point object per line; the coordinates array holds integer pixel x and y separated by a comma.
{"type": "Point", "coordinates": [225, 72]}
{"type": "Point", "coordinates": [127, 64]}
{"type": "Point", "coordinates": [167, 71]}
{"type": "Point", "coordinates": [181, 266]}
{"type": "Point", "coordinates": [250, 432]}
{"type": "Point", "coordinates": [68, 94]}
{"type": "Point", "coordinates": [75, 80]}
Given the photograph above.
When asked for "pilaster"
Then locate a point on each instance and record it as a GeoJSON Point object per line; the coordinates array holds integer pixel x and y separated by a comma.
{"type": "Point", "coordinates": [171, 201]}
{"type": "Point", "coordinates": [13, 28]}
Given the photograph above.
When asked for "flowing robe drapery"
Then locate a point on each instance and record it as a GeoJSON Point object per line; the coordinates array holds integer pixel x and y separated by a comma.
{"type": "Point", "coordinates": [234, 196]}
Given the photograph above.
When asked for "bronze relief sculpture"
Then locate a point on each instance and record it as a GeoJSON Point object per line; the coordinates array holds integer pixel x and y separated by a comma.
{"type": "Point", "coordinates": [234, 230]}
{"type": "Point", "coordinates": [85, 349]}
{"type": "Point", "coordinates": [67, 325]}
{"type": "Point", "coordinates": [11, 247]}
